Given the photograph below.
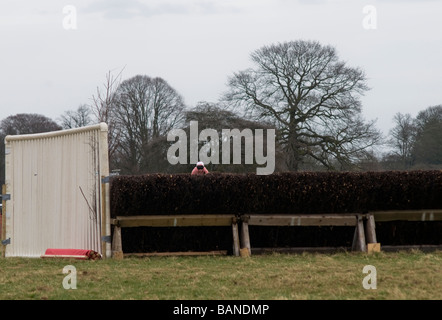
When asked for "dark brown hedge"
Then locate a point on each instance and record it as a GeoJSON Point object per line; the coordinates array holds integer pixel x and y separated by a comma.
{"type": "Point", "coordinates": [282, 193]}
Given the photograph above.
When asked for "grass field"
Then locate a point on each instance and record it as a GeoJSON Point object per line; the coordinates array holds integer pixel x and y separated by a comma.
{"type": "Point", "coordinates": [411, 275]}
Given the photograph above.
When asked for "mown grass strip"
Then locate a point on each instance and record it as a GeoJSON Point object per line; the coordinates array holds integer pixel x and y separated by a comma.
{"type": "Point", "coordinates": [400, 275]}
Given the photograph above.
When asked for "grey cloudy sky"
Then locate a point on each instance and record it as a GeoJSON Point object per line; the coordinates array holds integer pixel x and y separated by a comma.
{"type": "Point", "coordinates": [195, 45]}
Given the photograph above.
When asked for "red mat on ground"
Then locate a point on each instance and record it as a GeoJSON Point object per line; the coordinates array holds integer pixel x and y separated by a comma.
{"type": "Point", "coordinates": [72, 253]}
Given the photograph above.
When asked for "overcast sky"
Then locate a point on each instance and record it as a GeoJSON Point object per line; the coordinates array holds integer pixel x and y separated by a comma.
{"type": "Point", "coordinates": [195, 45]}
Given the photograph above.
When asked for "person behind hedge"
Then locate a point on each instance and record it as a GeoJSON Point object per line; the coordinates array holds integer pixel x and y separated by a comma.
{"type": "Point", "coordinates": [200, 169]}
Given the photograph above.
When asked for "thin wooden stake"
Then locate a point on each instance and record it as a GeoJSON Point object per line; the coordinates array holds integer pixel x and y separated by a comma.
{"type": "Point", "coordinates": [236, 246]}
{"type": "Point", "coordinates": [245, 238]}
{"type": "Point", "coordinates": [370, 229]}
{"type": "Point", "coordinates": [103, 217]}
{"type": "Point", "coordinates": [117, 246]}
{"type": "Point", "coordinates": [359, 236]}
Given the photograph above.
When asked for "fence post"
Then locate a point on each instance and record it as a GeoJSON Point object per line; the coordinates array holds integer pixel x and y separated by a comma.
{"type": "Point", "coordinates": [359, 236]}
{"type": "Point", "coordinates": [3, 223]}
{"type": "Point", "coordinates": [117, 246]}
{"type": "Point", "coordinates": [370, 229]}
{"type": "Point", "coordinates": [245, 237]}
{"type": "Point", "coordinates": [236, 247]}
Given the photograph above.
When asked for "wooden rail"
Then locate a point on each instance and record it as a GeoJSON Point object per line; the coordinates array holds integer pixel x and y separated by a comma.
{"type": "Point", "coordinates": [364, 223]}
{"type": "Point", "coordinates": [172, 221]}
{"type": "Point", "coordinates": [408, 215]}
{"type": "Point", "coordinates": [301, 220]}
{"type": "Point", "coordinates": [343, 219]}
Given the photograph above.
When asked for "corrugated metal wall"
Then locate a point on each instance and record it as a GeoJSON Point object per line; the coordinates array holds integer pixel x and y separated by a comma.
{"type": "Point", "coordinates": [54, 180]}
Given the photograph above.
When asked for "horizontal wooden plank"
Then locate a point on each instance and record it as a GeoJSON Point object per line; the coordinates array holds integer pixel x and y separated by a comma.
{"type": "Point", "coordinates": [423, 248]}
{"type": "Point", "coordinates": [344, 219]}
{"type": "Point", "coordinates": [174, 220]}
{"type": "Point", "coordinates": [300, 250]}
{"type": "Point", "coordinates": [179, 253]}
{"type": "Point", "coordinates": [303, 220]}
{"type": "Point", "coordinates": [408, 215]}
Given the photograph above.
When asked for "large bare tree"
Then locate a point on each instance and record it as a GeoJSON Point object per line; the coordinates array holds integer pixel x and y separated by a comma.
{"type": "Point", "coordinates": [104, 109]}
{"type": "Point", "coordinates": [312, 97]}
{"type": "Point", "coordinates": [80, 117]}
{"type": "Point", "coordinates": [427, 149]}
{"type": "Point", "coordinates": [216, 117]}
{"type": "Point", "coordinates": [146, 109]}
{"type": "Point", "coordinates": [27, 123]}
{"type": "Point", "coordinates": [22, 123]}
{"type": "Point", "coordinates": [402, 139]}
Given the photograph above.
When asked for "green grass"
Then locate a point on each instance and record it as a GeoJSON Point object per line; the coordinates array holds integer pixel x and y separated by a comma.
{"type": "Point", "coordinates": [400, 275]}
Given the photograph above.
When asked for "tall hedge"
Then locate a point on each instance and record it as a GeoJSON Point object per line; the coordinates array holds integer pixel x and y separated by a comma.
{"type": "Point", "coordinates": [280, 193]}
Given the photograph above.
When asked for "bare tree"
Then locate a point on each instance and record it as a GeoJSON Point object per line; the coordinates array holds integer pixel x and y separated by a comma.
{"type": "Point", "coordinates": [27, 123]}
{"type": "Point", "coordinates": [312, 97]}
{"type": "Point", "coordinates": [402, 139]}
{"type": "Point", "coordinates": [145, 109]}
{"type": "Point", "coordinates": [215, 116]}
{"type": "Point", "coordinates": [103, 108]}
{"type": "Point", "coordinates": [429, 116]}
{"type": "Point", "coordinates": [76, 118]}
{"type": "Point", "coordinates": [427, 149]}
{"type": "Point", "coordinates": [23, 123]}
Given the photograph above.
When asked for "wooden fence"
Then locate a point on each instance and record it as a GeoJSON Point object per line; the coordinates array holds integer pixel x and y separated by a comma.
{"type": "Point", "coordinates": [173, 221]}
{"type": "Point", "coordinates": [364, 238]}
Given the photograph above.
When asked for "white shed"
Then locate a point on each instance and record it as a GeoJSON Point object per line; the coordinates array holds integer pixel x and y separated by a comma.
{"type": "Point", "coordinates": [57, 192]}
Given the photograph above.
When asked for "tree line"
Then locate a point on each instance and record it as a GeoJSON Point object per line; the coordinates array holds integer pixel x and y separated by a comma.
{"type": "Point", "coordinates": [300, 88]}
